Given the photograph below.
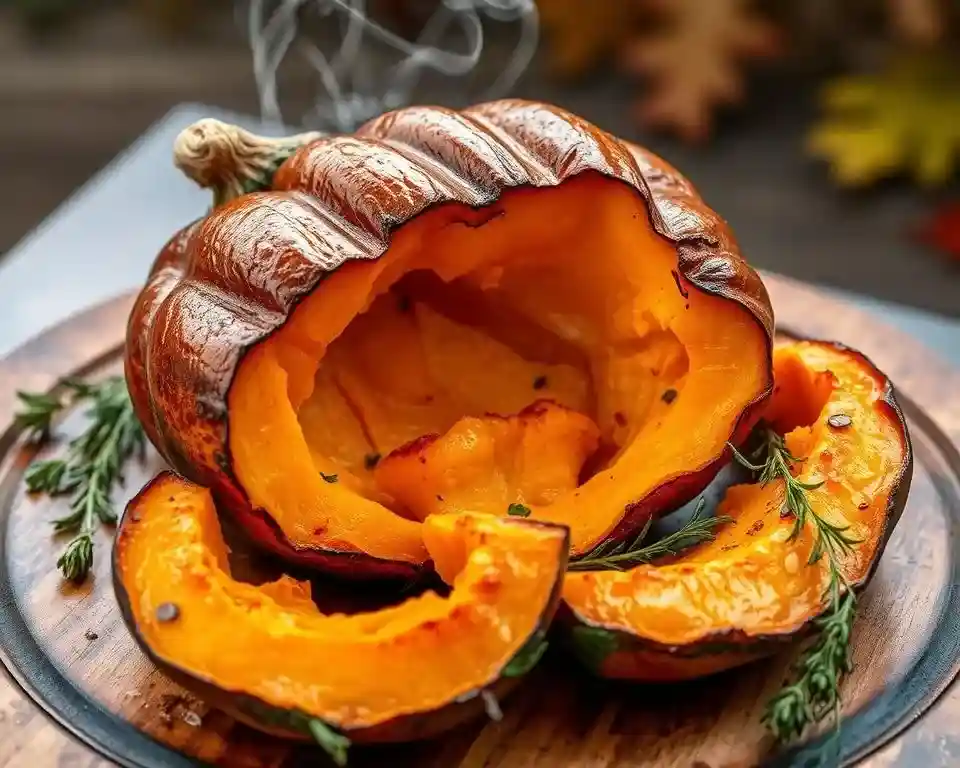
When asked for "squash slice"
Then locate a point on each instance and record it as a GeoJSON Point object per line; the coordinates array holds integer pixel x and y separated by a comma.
{"type": "Point", "coordinates": [734, 599]}
{"type": "Point", "coordinates": [267, 655]}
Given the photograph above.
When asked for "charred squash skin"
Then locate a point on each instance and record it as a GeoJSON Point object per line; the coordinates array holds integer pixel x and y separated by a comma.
{"type": "Point", "coordinates": [867, 466]}
{"type": "Point", "coordinates": [177, 598]}
{"type": "Point", "coordinates": [226, 284]}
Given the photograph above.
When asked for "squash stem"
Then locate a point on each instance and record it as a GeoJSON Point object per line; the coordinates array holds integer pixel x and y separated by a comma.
{"type": "Point", "coordinates": [230, 160]}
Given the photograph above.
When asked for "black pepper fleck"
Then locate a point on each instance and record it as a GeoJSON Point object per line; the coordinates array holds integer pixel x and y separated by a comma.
{"type": "Point", "coordinates": [540, 382]}
{"type": "Point", "coordinates": [90, 635]}
{"type": "Point", "coordinates": [371, 460]}
{"type": "Point", "coordinates": [669, 395]}
{"type": "Point", "coordinates": [839, 421]}
{"type": "Point", "coordinates": [168, 612]}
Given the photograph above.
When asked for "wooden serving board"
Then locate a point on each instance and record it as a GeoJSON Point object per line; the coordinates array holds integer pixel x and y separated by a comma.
{"type": "Point", "coordinates": [68, 653]}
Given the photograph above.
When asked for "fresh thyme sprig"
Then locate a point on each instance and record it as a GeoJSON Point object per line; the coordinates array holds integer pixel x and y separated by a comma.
{"type": "Point", "coordinates": [814, 694]}
{"type": "Point", "coordinates": [93, 461]}
{"type": "Point", "coordinates": [616, 557]}
{"type": "Point", "coordinates": [815, 691]}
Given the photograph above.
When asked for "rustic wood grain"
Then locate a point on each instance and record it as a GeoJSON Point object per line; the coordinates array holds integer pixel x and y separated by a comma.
{"type": "Point", "coordinates": [558, 718]}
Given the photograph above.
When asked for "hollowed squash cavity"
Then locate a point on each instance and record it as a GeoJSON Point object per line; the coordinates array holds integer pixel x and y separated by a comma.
{"type": "Point", "coordinates": [563, 294]}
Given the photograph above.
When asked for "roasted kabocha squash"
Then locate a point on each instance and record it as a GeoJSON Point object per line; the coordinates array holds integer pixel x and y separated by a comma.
{"type": "Point", "coordinates": [737, 597]}
{"type": "Point", "coordinates": [268, 656]}
{"type": "Point", "coordinates": [509, 276]}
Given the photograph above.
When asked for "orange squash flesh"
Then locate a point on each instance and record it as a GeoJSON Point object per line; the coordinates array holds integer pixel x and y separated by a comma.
{"type": "Point", "coordinates": [717, 604]}
{"type": "Point", "coordinates": [356, 672]}
{"type": "Point", "coordinates": [486, 464]}
{"type": "Point", "coordinates": [361, 368]}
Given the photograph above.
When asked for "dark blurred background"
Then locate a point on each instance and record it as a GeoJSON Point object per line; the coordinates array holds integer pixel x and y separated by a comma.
{"type": "Point", "coordinates": [826, 131]}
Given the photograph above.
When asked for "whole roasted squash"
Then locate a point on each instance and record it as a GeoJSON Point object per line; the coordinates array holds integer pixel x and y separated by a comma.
{"type": "Point", "coordinates": [754, 586]}
{"type": "Point", "coordinates": [503, 309]}
{"type": "Point", "coordinates": [269, 657]}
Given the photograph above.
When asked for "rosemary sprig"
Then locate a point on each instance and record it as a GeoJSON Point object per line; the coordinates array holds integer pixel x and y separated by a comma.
{"type": "Point", "coordinates": [39, 409]}
{"type": "Point", "coordinates": [815, 691]}
{"type": "Point", "coordinates": [92, 465]}
{"type": "Point", "coordinates": [36, 414]}
{"type": "Point", "coordinates": [626, 554]}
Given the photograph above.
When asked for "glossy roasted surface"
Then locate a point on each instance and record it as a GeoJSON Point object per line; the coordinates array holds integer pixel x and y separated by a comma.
{"type": "Point", "coordinates": [232, 279]}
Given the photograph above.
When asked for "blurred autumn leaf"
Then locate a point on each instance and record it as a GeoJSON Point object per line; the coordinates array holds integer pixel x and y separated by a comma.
{"type": "Point", "coordinates": [906, 119]}
{"type": "Point", "coordinates": [582, 34]}
{"type": "Point", "coordinates": [693, 60]}
{"type": "Point", "coordinates": [942, 230]}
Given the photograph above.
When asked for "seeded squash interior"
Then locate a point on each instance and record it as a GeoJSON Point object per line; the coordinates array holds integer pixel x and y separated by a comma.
{"type": "Point", "coordinates": [563, 299]}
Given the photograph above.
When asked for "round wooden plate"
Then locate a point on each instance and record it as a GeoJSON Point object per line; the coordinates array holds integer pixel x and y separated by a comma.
{"type": "Point", "coordinates": [67, 649]}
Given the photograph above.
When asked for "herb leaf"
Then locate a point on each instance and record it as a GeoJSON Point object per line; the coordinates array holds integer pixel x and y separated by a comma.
{"type": "Point", "coordinates": [618, 556]}
{"type": "Point", "coordinates": [329, 478]}
{"type": "Point", "coordinates": [333, 743]}
{"type": "Point", "coordinates": [518, 510]}
{"type": "Point", "coordinates": [93, 462]}
{"type": "Point", "coordinates": [46, 476]}
{"type": "Point", "coordinates": [593, 644]}
{"type": "Point", "coordinates": [36, 414]}
{"type": "Point", "coordinates": [815, 690]}
{"type": "Point", "coordinates": [526, 658]}
{"type": "Point", "coordinates": [77, 558]}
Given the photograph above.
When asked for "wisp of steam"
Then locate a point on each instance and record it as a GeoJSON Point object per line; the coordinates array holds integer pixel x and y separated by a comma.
{"type": "Point", "coordinates": [347, 93]}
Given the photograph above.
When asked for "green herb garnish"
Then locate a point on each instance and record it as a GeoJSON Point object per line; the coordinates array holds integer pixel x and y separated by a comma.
{"type": "Point", "coordinates": [93, 462]}
{"type": "Point", "coordinates": [814, 692]}
{"type": "Point", "coordinates": [626, 554]}
{"type": "Point", "coordinates": [518, 510]}
{"type": "Point", "coordinates": [329, 478]}
{"type": "Point", "coordinates": [39, 409]}
{"type": "Point", "coordinates": [332, 742]}
{"type": "Point", "coordinates": [593, 644]}
{"type": "Point", "coordinates": [526, 658]}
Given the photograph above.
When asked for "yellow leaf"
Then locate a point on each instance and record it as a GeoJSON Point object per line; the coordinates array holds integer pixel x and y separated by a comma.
{"type": "Point", "coordinates": [905, 119]}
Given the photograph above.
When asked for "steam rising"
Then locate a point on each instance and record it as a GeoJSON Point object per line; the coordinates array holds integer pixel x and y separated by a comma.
{"type": "Point", "coordinates": [348, 91]}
